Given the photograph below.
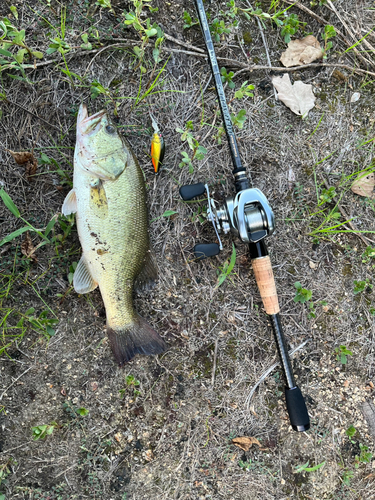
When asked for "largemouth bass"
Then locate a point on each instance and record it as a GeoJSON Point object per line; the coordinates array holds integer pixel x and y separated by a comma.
{"type": "Point", "coordinates": [109, 200]}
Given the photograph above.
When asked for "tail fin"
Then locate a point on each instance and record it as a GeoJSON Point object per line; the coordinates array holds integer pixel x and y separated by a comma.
{"type": "Point", "coordinates": [137, 337]}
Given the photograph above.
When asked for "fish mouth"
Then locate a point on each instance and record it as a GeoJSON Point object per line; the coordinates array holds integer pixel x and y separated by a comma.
{"type": "Point", "coordinates": [89, 124]}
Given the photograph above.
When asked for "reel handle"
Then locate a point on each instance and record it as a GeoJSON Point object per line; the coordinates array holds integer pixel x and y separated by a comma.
{"type": "Point", "coordinates": [204, 250]}
{"type": "Point", "coordinates": [190, 191]}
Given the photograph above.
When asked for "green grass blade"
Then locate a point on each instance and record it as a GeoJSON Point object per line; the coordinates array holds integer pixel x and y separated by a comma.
{"type": "Point", "coordinates": [9, 203]}
{"type": "Point", "coordinates": [13, 235]}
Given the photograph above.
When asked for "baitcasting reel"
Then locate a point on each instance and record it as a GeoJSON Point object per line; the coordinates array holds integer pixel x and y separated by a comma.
{"type": "Point", "coordinates": [248, 215]}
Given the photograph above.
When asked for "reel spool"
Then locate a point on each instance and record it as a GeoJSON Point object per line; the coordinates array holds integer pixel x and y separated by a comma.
{"type": "Point", "coordinates": [248, 215]}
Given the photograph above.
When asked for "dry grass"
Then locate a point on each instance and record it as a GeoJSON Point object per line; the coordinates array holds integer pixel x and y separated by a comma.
{"type": "Point", "coordinates": [173, 441]}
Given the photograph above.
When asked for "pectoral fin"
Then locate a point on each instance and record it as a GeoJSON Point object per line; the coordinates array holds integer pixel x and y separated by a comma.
{"type": "Point", "coordinates": [83, 282]}
{"type": "Point", "coordinates": [70, 203]}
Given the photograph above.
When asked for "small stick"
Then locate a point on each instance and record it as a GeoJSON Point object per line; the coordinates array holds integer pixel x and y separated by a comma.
{"type": "Point", "coordinates": [214, 366]}
{"type": "Point", "coordinates": [269, 370]}
{"type": "Point", "coordinates": [183, 44]}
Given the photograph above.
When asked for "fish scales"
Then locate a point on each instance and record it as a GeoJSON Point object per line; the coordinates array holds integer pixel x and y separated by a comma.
{"type": "Point", "coordinates": [109, 199]}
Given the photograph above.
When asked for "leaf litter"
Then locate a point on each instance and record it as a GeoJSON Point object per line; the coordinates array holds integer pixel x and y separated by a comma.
{"type": "Point", "coordinates": [245, 442]}
{"type": "Point", "coordinates": [298, 97]}
{"type": "Point", "coordinates": [300, 52]}
{"type": "Point", "coordinates": [364, 184]}
{"type": "Point", "coordinates": [28, 249]}
{"type": "Point", "coordinates": [28, 160]}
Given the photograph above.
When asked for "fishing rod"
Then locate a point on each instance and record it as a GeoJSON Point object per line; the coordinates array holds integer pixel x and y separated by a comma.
{"type": "Point", "coordinates": [249, 216]}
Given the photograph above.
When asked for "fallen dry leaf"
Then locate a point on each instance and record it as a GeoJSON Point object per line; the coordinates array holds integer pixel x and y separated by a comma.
{"type": "Point", "coordinates": [30, 168]}
{"type": "Point", "coordinates": [245, 442]}
{"type": "Point", "coordinates": [26, 159]}
{"type": "Point", "coordinates": [28, 249]}
{"type": "Point", "coordinates": [21, 157]}
{"type": "Point", "coordinates": [364, 184]}
{"type": "Point", "coordinates": [300, 52]}
{"type": "Point", "coordinates": [298, 97]}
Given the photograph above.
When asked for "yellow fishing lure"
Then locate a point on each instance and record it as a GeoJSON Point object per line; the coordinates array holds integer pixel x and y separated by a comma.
{"type": "Point", "coordinates": [157, 147]}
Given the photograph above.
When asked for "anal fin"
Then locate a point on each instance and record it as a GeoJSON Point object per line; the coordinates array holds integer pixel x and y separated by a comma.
{"type": "Point", "coordinates": [147, 276]}
{"type": "Point", "coordinates": [70, 203]}
{"type": "Point", "coordinates": [83, 282]}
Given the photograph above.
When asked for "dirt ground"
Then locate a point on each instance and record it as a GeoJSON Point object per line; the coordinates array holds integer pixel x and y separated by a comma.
{"type": "Point", "coordinates": [162, 427]}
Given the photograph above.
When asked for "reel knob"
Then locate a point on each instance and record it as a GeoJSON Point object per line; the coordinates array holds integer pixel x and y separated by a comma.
{"type": "Point", "coordinates": [190, 191]}
{"type": "Point", "coordinates": [204, 250]}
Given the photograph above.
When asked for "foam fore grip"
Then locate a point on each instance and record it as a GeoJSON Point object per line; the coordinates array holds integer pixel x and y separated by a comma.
{"type": "Point", "coordinates": [204, 250]}
{"type": "Point", "coordinates": [190, 191]}
{"type": "Point", "coordinates": [262, 268]}
{"type": "Point", "coordinates": [299, 418]}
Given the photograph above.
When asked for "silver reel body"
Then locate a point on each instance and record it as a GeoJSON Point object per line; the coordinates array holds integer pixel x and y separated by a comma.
{"type": "Point", "coordinates": [248, 215]}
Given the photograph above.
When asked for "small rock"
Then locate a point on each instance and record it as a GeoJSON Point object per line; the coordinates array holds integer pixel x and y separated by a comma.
{"type": "Point", "coordinates": [355, 97]}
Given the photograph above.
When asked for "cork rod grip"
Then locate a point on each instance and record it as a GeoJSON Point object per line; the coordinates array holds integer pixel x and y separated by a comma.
{"type": "Point", "coordinates": [264, 276]}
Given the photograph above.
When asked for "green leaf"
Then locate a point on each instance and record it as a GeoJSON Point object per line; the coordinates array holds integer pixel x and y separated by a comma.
{"type": "Point", "coordinates": [51, 332]}
{"type": "Point", "coordinates": [151, 32]}
{"type": "Point", "coordinates": [6, 53]}
{"type": "Point", "coordinates": [9, 203]}
{"type": "Point", "coordinates": [168, 213]}
{"type": "Point", "coordinates": [13, 10]}
{"type": "Point", "coordinates": [20, 36]}
{"type": "Point", "coordinates": [82, 411]}
{"type": "Point", "coordinates": [20, 55]}
{"type": "Point", "coordinates": [316, 467]}
{"type": "Point", "coordinates": [50, 225]}
{"type": "Point", "coordinates": [37, 54]}
{"type": "Point", "coordinates": [155, 54]}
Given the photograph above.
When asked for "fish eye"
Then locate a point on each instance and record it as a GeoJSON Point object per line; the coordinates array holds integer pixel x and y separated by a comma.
{"type": "Point", "coordinates": [110, 129]}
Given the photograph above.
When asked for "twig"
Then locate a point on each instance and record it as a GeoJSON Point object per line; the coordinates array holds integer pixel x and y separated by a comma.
{"type": "Point", "coordinates": [14, 381]}
{"type": "Point", "coordinates": [365, 240]}
{"type": "Point", "coordinates": [214, 366]}
{"type": "Point", "coordinates": [324, 22]}
{"type": "Point", "coordinates": [265, 45]}
{"type": "Point", "coordinates": [183, 44]}
{"type": "Point", "coordinates": [269, 370]}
